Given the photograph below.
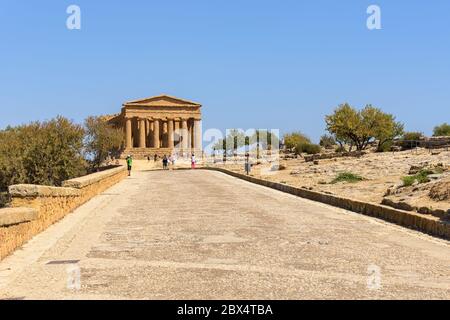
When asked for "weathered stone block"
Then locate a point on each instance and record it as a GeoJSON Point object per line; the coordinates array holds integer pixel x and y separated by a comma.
{"type": "Point", "coordinates": [90, 179]}
{"type": "Point", "coordinates": [33, 191]}
{"type": "Point", "coordinates": [11, 216]}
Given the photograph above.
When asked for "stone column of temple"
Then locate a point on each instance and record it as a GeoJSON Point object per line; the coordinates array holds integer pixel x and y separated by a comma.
{"type": "Point", "coordinates": [177, 132]}
{"type": "Point", "coordinates": [156, 143]}
{"type": "Point", "coordinates": [191, 134]}
{"type": "Point", "coordinates": [184, 135]}
{"type": "Point", "coordinates": [170, 133]}
{"type": "Point", "coordinates": [197, 134]}
{"type": "Point", "coordinates": [150, 133]}
{"type": "Point", "coordinates": [188, 133]}
{"type": "Point", "coordinates": [135, 130]}
{"type": "Point", "coordinates": [141, 133]}
{"type": "Point", "coordinates": [147, 133]}
{"type": "Point", "coordinates": [129, 141]}
{"type": "Point", "coordinates": [164, 131]}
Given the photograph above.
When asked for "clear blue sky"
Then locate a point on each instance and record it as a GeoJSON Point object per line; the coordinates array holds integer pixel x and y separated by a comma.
{"type": "Point", "coordinates": [252, 64]}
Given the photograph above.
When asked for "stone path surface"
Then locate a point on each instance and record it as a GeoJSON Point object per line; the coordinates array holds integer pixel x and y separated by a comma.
{"type": "Point", "coordinates": [205, 235]}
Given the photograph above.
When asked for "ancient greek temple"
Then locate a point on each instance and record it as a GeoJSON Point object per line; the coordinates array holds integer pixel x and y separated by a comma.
{"type": "Point", "coordinates": [161, 125]}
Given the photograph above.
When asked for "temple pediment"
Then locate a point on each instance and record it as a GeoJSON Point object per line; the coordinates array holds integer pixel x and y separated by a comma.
{"type": "Point", "coordinates": [162, 101]}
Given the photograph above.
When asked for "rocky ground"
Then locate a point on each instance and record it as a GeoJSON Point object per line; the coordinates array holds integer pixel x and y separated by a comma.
{"type": "Point", "coordinates": [382, 175]}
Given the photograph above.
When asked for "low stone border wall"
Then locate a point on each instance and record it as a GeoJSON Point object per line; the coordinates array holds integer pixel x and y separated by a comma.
{"type": "Point", "coordinates": [34, 208]}
{"type": "Point", "coordinates": [439, 213]}
{"type": "Point", "coordinates": [427, 224]}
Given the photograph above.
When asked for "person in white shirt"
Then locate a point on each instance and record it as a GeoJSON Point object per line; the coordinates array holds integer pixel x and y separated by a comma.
{"type": "Point", "coordinates": [193, 161]}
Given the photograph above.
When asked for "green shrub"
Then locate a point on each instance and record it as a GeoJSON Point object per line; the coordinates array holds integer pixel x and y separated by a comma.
{"type": "Point", "coordinates": [408, 180]}
{"type": "Point", "coordinates": [292, 140]}
{"type": "Point", "coordinates": [327, 141]}
{"type": "Point", "coordinates": [420, 177]}
{"type": "Point", "coordinates": [308, 148]}
{"type": "Point", "coordinates": [348, 177]}
{"type": "Point", "coordinates": [442, 130]}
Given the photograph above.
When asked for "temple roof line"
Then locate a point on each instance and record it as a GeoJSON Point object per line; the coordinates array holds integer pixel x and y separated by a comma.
{"type": "Point", "coordinates": [163, 100]}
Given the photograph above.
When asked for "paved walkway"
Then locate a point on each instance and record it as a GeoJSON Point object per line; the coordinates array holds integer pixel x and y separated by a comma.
{"type": "Point", "coordinates": [205, 235]}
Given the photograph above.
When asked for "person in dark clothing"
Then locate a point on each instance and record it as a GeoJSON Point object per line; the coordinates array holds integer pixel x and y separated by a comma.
{"type": "Point", "coordinates": [165, 162]}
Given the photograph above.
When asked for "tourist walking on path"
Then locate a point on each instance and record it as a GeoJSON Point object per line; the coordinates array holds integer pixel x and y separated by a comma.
{"type": "Point", "coordinates": [129, 164]}
{"type": "Point", "coordinates": [174, 159]}
{"type": "Point", "coordinates": [165, 161]}
{"type": "Point", "coordinates": [170, 160]}
{"type": "Point", "coordinates": [193, 161]}
{"type": "Point", "coordinates": [248, 165]}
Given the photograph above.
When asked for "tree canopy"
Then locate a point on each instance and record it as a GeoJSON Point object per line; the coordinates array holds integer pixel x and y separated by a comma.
{"type": "Point", "coordinates": [442, 130]}
{"type": "Point", "coordinates": [45, 153]}
{"type": "Point", "coordinates": [102, 140]}
{"type": "Point", "coordinates": [361, 127]}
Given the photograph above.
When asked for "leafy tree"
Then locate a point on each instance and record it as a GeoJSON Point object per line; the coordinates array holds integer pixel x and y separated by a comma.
{"type": "Point", "coordinates": [55, 153]}
{"type": "Point", "coordinates": [344, 124]}
{"type": "Point", "coordinates": [44, 153]}
{"type": "Point", "coordinates": [102, 140]}
{"type": "Point", "coordinates": [292, 140]}
{"type": "Point", "coordinates": [442, 130]}
{"type": "Point", "coordinates": [361, 127]}
{"type": "Point", "coordinates": [12, 151]}
{"type": "Point", "coordinates": [387, 130]}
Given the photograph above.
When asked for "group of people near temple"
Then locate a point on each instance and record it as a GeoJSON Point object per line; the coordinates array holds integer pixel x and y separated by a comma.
{"type": "Point", "coordinates": [166, 161]}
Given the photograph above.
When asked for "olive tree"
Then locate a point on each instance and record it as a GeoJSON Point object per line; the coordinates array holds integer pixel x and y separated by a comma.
{"type": "Point", "coordinates": [102, 140]}
{"type": "Point", "coordinates": [363, 126]}
{"type": "Point", "coordinates": [45, 153]}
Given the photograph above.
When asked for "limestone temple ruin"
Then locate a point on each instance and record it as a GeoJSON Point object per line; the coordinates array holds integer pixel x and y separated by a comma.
{"type": "Point", "coordinates": [161, 125]}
